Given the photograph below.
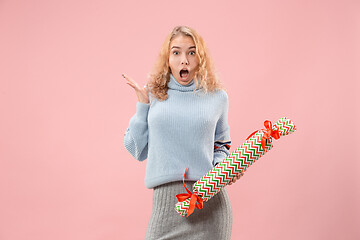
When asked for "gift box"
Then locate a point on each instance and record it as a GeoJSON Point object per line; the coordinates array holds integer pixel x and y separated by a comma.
{"type": "Point", "coordinates": [255, 146]}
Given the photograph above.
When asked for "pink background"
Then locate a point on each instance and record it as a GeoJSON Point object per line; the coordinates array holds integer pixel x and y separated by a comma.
{"type": "Point", "coordinates": [64, 171]}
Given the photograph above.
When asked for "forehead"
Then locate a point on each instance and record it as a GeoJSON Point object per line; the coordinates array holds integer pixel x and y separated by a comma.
{"type": "Point", "coordinates": [182, 41]}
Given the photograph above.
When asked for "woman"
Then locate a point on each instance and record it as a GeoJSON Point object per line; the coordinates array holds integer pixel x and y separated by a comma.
{"type": "Point", "coordinates": [181, 122]}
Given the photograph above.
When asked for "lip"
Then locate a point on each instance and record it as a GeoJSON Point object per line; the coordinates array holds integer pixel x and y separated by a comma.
{"type": "Point", "coordinates": [186, 70]}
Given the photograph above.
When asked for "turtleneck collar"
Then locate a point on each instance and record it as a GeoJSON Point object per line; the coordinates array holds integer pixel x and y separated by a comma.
{"type": "Point", "coordinates": [173, 84]}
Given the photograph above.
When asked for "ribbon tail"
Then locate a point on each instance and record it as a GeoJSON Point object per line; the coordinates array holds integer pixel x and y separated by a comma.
{"type": "Point", "coordinates": [192, 205]}
{"type": "Point", "coordinates": [200, 204]}
{"type": "Point", "coordinates": [193, 199]}
{"type": "Point", "coordinates": [184, 183]}
{"type": "Point", "coordinates": [251, 135]}
{"type": "Point", "coordinates": [263, 141]}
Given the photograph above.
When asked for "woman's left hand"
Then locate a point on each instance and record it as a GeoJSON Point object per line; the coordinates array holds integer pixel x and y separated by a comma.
{"type": "Point", "coordinates": [237, 177]}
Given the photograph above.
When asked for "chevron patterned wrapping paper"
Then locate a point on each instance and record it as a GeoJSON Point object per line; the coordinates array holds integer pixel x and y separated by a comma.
{"type": "Point", "coordinates": [235, 163]}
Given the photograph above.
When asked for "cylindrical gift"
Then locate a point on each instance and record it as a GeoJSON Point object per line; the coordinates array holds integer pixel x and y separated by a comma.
{"type": "Point", "coordinates": [257, 144]}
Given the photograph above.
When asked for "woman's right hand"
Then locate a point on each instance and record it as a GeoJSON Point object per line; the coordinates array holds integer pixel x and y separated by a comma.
{"type": "Point", "coordinates": [140, 92]}
{"type": "Point", "coordinates": [237, 177]}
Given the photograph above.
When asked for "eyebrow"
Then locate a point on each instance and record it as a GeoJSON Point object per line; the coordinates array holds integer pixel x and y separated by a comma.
{"type": "Point", "coordinates": [180, 47]}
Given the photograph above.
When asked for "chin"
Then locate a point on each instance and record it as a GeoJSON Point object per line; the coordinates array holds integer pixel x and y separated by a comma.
{"type": "Point", "coordinates": [187, 80]}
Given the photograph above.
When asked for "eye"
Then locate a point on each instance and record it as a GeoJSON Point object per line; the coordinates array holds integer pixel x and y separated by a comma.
{"type": "Point", "coordinates": [175, 52]}
{"type": "Point", "coordinates": [192, 52]}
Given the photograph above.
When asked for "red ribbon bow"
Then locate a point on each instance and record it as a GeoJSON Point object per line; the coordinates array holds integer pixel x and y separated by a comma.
{"type": "Point", "coordinates": [268, 132]}
{"type": "Point", "coordinates": [193, 199]}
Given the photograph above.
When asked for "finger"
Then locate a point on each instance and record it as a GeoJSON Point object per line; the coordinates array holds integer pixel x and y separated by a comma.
{"type": "Point", "coordinates": [129, 79]}
{"type": "Point", "coordinates": [124, 76]}
{"type": "Point", "coordinates": [131, 85]}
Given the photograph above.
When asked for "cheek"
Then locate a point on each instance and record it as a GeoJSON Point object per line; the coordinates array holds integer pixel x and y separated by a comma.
{"type": "Point", "coordinates": [172, 61]}
{"type": "Point", "coordinates": [195, 63]}
{"type": "Point", "coordinates": [172, 64]}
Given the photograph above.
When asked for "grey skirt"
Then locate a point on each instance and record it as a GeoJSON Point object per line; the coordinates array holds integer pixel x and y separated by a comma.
{"type": "Point", "coordinates": [214, 221]}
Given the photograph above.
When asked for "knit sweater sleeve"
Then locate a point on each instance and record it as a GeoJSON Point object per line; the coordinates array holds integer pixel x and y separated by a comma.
{"type": "Point", "coordinates": [136, 135]}
{"type": "Point", "coordinates": [222, 142]}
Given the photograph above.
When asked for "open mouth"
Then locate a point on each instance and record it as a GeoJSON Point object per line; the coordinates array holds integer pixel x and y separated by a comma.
{"type": "Point", "coordinates": [184, 73]}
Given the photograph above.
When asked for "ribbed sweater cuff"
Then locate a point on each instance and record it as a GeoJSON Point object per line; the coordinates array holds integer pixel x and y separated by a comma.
{"type": "Point", "coordinates": [142, 110]}
{"type": "Point", "coordinates": [219, 157]}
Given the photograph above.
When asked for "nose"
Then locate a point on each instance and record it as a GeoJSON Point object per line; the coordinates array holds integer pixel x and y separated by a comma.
{"type": "Point", "coordinates": [184, 60]}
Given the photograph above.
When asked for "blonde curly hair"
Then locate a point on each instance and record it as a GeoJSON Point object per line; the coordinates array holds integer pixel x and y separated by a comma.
{"type": "Point", "coordinates": [205, 77]}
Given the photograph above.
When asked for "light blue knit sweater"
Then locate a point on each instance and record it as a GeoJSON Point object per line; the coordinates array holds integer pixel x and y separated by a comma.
{"type": "Point", "coordinates": [187, 130]}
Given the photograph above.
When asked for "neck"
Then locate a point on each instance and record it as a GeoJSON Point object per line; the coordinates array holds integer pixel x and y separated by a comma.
{"type": "Point", "coordinates": [175, 85]}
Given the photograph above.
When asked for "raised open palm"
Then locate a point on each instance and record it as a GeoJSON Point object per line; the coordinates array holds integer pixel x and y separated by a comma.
{"type": "Point", "coordinates": [140, 91]}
